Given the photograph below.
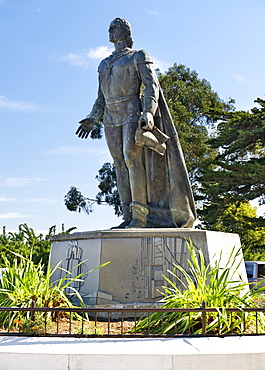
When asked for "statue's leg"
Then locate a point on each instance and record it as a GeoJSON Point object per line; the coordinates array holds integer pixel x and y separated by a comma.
{"type": "Point", "coordinates": [137, 175]}
{"type": "Point", "coordinates": [115, 144]}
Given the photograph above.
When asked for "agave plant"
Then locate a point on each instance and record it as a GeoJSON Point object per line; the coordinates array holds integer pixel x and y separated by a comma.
{"type": "Point", "coordinates": [211, 285]}
{"type": "Point", "coordinates": [23, 282]}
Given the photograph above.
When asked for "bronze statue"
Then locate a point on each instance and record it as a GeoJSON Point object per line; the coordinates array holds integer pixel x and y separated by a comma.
{"type": "Point", "coordinates": [152, 179]}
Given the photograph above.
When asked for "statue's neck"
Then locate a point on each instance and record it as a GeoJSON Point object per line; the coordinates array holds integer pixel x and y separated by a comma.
{"type": "Point", "coordinates": [120, 45]}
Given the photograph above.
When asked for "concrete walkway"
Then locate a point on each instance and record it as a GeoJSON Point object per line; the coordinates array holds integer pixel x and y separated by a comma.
{"type": "Point", "coordinates": [230, 353]}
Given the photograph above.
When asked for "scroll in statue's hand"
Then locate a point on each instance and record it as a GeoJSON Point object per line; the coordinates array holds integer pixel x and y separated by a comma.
{"type": "Point", "coordinates": [146, 121]}
{"type": "Point", "coordinates": [85, 127]}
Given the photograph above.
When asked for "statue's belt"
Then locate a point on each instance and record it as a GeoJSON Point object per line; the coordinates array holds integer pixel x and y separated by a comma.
{"type": "Point", "coordinates": [121, 99]}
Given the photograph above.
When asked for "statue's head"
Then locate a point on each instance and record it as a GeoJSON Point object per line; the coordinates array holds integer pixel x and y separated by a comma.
{"type": "Point", "coordinates": [126, 28]}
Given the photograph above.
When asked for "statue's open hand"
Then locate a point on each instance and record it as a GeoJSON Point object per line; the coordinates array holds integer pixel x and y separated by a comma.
{"type": "Point", "coordinates": [85, 127]}
{"type": "Point", "coordinates": [146, 121]}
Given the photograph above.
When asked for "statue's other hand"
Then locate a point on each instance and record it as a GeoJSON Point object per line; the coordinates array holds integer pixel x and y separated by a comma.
{"type": "Point", "coordinates": [146, 121]}
{"type": "Point", "coordinates": [85, 127]}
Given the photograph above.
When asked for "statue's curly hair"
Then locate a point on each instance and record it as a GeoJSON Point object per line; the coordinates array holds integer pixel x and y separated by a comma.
{"type": "Point", "coordinates": [127, 29]}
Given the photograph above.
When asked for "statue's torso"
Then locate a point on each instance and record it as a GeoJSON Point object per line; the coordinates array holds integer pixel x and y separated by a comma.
{"type": "Point", "coordinates": [120, 84]}
{"type": "Point", "coordinates": [119, 75]}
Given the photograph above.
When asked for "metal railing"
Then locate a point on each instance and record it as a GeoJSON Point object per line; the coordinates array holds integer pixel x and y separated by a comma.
{"type": "Point", "coordinates": [115, 322]}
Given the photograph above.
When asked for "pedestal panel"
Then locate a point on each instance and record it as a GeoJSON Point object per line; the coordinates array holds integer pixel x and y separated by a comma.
{"type": "Point", "coordinates": [139, 259]}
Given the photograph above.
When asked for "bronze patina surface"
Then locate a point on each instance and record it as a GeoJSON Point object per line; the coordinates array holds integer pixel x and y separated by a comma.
{"type": "Point", "coordinates": [152, 178]}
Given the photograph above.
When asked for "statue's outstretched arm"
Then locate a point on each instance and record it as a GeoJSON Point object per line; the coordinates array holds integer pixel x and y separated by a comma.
{"type": "Point", "coordinates": [92, 118]}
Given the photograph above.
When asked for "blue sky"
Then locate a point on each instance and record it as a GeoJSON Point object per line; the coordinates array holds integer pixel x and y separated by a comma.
{"type": "Point", "coordinates": [48, 82]}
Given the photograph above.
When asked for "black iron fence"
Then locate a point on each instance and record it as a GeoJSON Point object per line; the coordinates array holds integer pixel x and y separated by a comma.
{"type": "Point", "coordinates": [124, 322]}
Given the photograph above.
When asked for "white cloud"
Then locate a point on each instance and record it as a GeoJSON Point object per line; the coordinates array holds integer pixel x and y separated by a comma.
{"type": "Point", "coordinates": [17, 104]}
{"type": "Point", "coordinates": [239, 78]}
{"type": "Point", "coordinates": [77, 150]}
{"type": "Point", "coordinates": [10, 215]}
{"type": "Point", "coordinates": [3, 2]}
{"type": "Point", "coordinates": [85, 57]}
{"type": "Point", "coordinates": [161, 64]}
{"type": "Point", "coordinates": [100, 52]}
{"type": "Point", "coordinates": [27, 200]}
{"type": "Point", "coordinates": [39, 9]}
{"type": "Point", "coordinates": [151, 12]}
{"type": "Point", "coordinates": [40, 200]}
{"type": "Point", "coordinates": [5, 199]}
{"type": "Point", "coordinates": [14, 182]}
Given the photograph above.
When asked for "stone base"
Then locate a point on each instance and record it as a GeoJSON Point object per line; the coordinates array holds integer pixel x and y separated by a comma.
{"type": "Point", "coordinates": [139, 259]}
{"type": "Point", "coordinates": [188, 353]}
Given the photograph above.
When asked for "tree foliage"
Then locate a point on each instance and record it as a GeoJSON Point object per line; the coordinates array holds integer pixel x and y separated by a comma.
{"type": "Point", "coordinates": [75, 201]}
{"type": "Point", "coordinates": [237, 174]}
{"type": "Point", "coordinates": [108, 187]}
{"type": "Point", "coordinates": [97, 131]}
{"type": "Point", "coordinates": [240, 165]}
{"type": "Point", "coordinates": [236, 218]}
{"type": "Point", "coordinates": [194, 107]}
{"type": "Point", "coordinates": [27, 243]}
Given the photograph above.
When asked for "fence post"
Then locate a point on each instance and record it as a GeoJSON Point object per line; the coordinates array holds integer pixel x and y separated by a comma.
{"type": "Point", "coordinates": [203, 318]}
{"type": "Point", "coordinates": [32, 312]}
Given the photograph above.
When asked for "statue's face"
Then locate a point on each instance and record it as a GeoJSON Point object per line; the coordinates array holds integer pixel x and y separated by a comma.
{"type": "Point", "coordinates": [116, 32]}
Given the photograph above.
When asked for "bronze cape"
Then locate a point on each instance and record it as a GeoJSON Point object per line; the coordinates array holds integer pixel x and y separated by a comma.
{"type": "Point", "coordinates": [169, 196]}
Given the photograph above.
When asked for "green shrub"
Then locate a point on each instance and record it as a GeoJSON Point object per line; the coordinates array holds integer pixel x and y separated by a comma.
{"type": "Point", "coordinates": [27, 243]}
{"type": "Point", "coordinates": [209, 284]}
{"type": "Point", "coordinates": [22, 282]}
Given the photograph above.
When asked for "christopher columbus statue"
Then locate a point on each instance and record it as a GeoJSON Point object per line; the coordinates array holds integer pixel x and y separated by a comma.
{"type": "Point", "coordinates": [152, 179]}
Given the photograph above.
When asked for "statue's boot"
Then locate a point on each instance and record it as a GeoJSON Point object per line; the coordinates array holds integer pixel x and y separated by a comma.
{"type": "Point", "coordinates": [127, 216]}
{"type": "Point", "coordinates": [139, 213]}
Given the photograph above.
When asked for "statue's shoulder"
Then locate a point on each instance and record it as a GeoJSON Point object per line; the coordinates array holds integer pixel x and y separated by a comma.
{"type": "Point", "coordinates": [103, 63]}
{"type": "Point", "coordinates": [142, 56]}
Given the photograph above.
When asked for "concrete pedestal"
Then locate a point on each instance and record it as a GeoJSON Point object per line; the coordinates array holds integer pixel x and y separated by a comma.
{"type": "Point", "coordinates": [139, 259]}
